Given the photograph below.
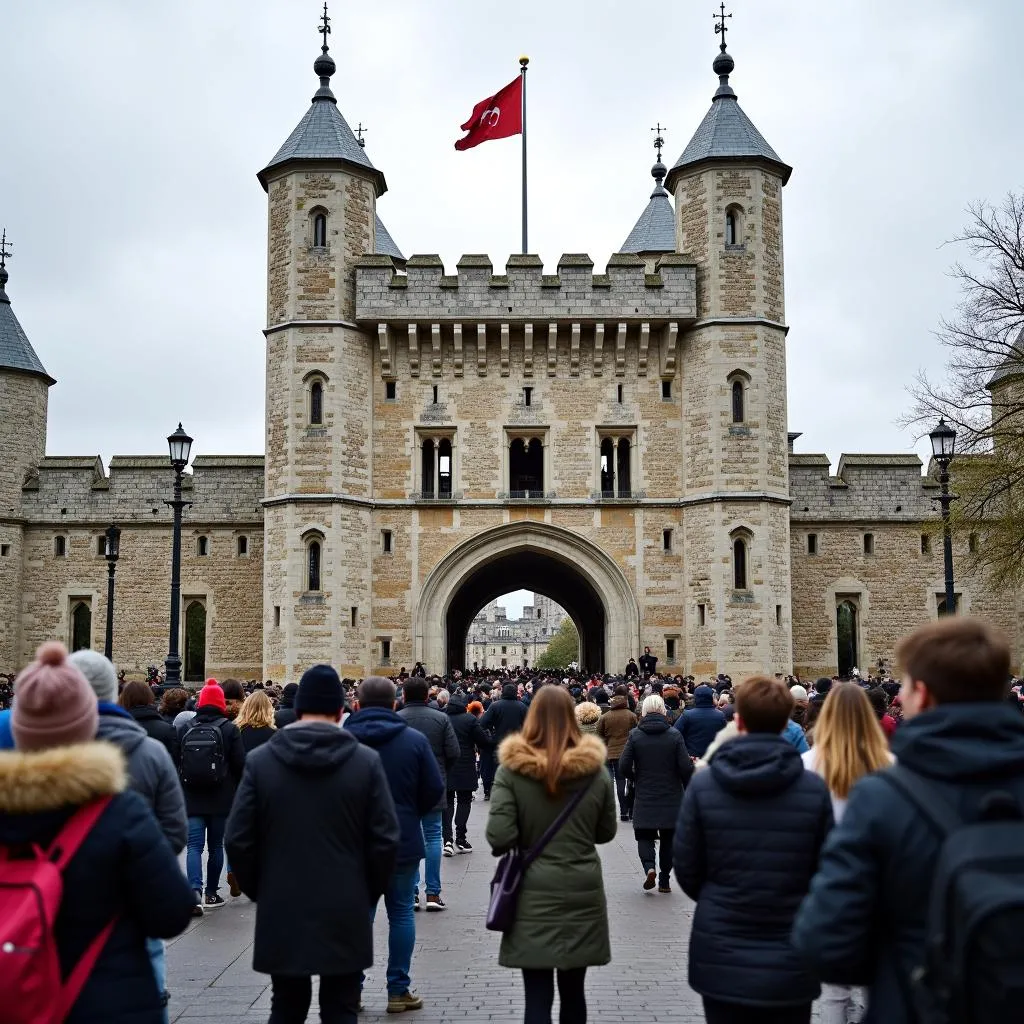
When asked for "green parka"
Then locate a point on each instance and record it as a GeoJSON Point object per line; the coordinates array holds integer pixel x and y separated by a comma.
{"type": "Point", "coordinates": [562, 918]}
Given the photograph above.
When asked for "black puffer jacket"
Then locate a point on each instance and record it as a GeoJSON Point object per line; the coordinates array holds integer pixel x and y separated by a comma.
{"type": "Point", "coordinates": [471, 736]}
{"type": "Point", "coordinates": [746, 847]}
{"type": "Point", "coordinates": [437, 727]}
{"type": "Point", "coordinates": [504, 717]}
{"type": "Point", "coordinates": [158, 727]}
{"type": "Point", "coordinates": [656, 759]}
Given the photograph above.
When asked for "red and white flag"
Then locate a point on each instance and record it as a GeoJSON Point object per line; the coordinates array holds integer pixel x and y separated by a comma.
{"type": "Point", "coordinates": [497, 117]}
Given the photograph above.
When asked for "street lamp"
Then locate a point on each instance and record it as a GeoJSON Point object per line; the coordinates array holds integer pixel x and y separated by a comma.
{"type": "Point", "coordinates": [943, 439]}
{"type": "Point", "coordinates": [180, 446]}
{"type": "Point", "coordinates": [113, 549]}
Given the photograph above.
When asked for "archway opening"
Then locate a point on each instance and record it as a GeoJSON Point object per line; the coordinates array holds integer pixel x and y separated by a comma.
{"type": "Point", "coordinates": [542, 574]}
{"type": "Point", "coordinates": [846, 636]}
{"type": "Point", "coordinates": [521, 630]}
{"type": "Point", "coordinates": [195, 642]}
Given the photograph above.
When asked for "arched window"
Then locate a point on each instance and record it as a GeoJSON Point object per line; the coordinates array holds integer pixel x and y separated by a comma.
{"type": "Point", "coordinates": [195, 642]}
{"type": "Point", "coordinates": [730, 227]}
{"type": "Point", "coordinates": [444, 468]}
{"type": "Point", "coordinates": [320, 229]}
{"type": "Point", "coordinates": [526, 468]}
{"type": "Point", "coordinates": [313, 555]}
{"type": "Point", "coordinates": [427, 478]}
{"type": "Point", "coordinates": [81, 626]}
{"type": "Point", "coordinates": [738, 402]}
{"type": "Point", "coordinates": [623, 467]}
{"type": "Point", "coordinates": [316, 403]}
{"type": "Point", "coordinates": [846, 637]}
{"type": "Point", "coordinates": [739, 564]}
{"type": "Point", "coordinates": [607, 468]}
{"type": "Point", "coordinates": [202, 546]}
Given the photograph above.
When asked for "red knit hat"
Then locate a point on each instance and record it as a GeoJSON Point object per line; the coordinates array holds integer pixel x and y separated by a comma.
{"type": "Point", "coordinates": [211, 695]}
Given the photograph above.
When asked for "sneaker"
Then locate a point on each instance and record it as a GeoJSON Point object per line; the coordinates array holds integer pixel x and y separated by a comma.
{"type": "Point", "coordinates": [435, 903]}
{"type": "Point", "coordinates": [463, 846]}
{"type": "Point", "coordinates": [233, 885]}
{"type": "Point", "coordinates": [416, 901]}
{"type": "Point", "coordinates": [664, 888]}
{"type": "Point", "coordinates": [406, 1001]}
{"type": "Point", "coordinates": [212, 901]}
{"type": "Point", "coordinates": [651, 879]}
{"type": "Point", "coordinates": [449, 850]}
{"type": "Point", "coordinates": [197, 910]}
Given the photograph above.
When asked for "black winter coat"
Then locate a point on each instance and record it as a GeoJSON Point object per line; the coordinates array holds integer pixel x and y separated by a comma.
{"type": "Point", "coordinates": [158, 727]}
{"type": "Point", "coordinates": [437, 727]}
{"type": "Point", "coordinates": [864, 921]}
{"type": "Point", "coordinates": [746, 846]}
{"type": "Point", "coordinates": [124, 867]}
{"type": "Point", "coordinates": [503, 718]}
{"type": "Point", "coordinates": [471, 736]}
{"type": "Point", "coordinates": [314, 804]}
{"type": "Point", "coordinates": [215, 799]}
{"type": "Point", "coordinates": [700, 724]}
{"type": "Point", "coordinates": [656, 759]}
{"type": "Point", "coordinates": [255, 736]}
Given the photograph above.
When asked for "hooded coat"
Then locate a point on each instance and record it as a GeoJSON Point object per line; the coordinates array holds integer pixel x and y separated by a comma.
{"type": "Point", "coordinates": [656, 759]}
{"type": "Point", "coordinates": [615, 726]}
{"type": "Point", "coordinates": [471, 737]}
{"type": "Point", "coordinates": [700, 723]}
{"type": "Point", "coordinates": [864, 921]}
{"type": "Point", "coordinates": [505, 715]}
{"type": "Point", "coordinates": [123, 868]}
{"type": "Point", "coordinates": [313, 803]}
{"type": "Point", "coordinates": [746, 846]}
{"type": "Point", "coordinates": [411, 770]}
{"type": "Point", "coordinates": [562, 916]}
{"type": "Point", "coordinates": [157, 727]}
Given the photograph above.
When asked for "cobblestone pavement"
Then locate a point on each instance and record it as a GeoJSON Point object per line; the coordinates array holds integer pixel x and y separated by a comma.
{"type": "Point", "coordinates": [455, 967]}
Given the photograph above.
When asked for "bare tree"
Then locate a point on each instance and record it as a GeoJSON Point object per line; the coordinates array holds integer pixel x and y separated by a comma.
{"type": "Point", "coordinates": [982, 392]}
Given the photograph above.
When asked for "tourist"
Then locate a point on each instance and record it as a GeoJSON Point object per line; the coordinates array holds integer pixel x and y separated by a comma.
{"type": "Point", "coordinates": [415, 784]}
{"type": "Point", "coordinates": [436, 726]}
{"type": "Point", "coordinates": [699, 724]}
{"type": "Point", "coordinates": [849, 744]}
{"type": "Point", "coordinates": [656, 760]}
{"type": "Point", "coordinates": [462, 781]}
{"type": "Point", "coordinates": [504, 717]}
{"type": "Point", "coordinates": [799, 695]}
{"type": "Point", "coordinates": [865, 920]}
{"type": "Point", "coordinates": [124, 876]}
{"type": "Point", "coordinates": [210, 764]}
{"type": "Point", "coordinates": [632, 669]}
{"type": "Point", "coordinates": [588, 715]}
{"type": "Point", "coordinates": [285, 714]}
{"type": "Point", "coordinates": [313, 809]}
{"type": "Point", "coordinates": [234, 697]}
{"type": "Point", "coordinates": [614, 729]}
{"type": "Point", "coordinates": [256, 721]}
{"type": "Point", "coordinates": [648, 663]}
{"type": "Point", "coordinates": [138, 700]}
{"type": "Point", "coordinates": [562, 916]}
{"type": "Point", "coordinates": [746, 845]}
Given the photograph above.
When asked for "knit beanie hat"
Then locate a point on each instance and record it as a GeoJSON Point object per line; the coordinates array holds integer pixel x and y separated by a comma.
{"type": "Point", "coordinates": [823, 685]}
{"type": "Point", "coordinates": [53, 704]}
{"type": "Point", "coordinates": [798, 692]}
{"type": "Point", "coordinates": [509, 692]}
{"type": "Point", "coordinates": [212, 696]}
{"type": "Point", "coordinates": [320, 692]}
{"type": "Point", "coordinates": [99, 673]}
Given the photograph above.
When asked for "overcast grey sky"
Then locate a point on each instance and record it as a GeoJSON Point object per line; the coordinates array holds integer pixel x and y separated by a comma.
{"type": "Point", "coordinates": [131, 134]}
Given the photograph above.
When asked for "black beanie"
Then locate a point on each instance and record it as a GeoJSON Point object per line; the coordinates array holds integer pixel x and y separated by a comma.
{"type": "Point", "coordinates": [320, 692]}
{"type": "Point", "coordinates": [509, 692]}
{"type": "Point", "coordinates": [823, 685]}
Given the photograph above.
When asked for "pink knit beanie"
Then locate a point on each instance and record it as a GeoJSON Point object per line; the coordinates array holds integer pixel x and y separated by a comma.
{"type": "Point", "coordinates": [53, 704]}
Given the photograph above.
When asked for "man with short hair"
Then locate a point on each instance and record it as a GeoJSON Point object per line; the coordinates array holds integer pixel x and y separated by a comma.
{"type": "Point", "coordinates": [416, 786]}
{"type": "Point", "coordinates": [444, 743]}
{"type": "Point", "coordinates": [701, 723]}
{"type": "Point", "coordinates": [313, 814]}
{"type": "Point", "coordinates": [865, 921]}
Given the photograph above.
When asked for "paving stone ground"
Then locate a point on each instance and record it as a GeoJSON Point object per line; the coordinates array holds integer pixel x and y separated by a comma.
{"type": "Point", "coordinates": [455, 966]}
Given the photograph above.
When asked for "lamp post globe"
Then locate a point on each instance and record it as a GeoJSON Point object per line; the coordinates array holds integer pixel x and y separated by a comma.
{"type": "Point", "coordinates": [179, 446]}
{"type": "Point", "coordinates": [112, 552]}
{"type": "Point", "coordinates": [943, 439]}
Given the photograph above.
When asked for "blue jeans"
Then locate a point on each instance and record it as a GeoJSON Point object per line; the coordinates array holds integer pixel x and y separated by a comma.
{"type": "Point", "coordinates": [155, 949]}
{"type": "Point", "coordinates": [431, 826]}
{"type": "Point", "coordinates": [210, 827]}
{"type": "Point", "coordinates": [401, 928]}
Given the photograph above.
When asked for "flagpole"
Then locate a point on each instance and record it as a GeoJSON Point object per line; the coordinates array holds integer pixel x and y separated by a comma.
{"type": "Point", "coordinates": [523, 62]}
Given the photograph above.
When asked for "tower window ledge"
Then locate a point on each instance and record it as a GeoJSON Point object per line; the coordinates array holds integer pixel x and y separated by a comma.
{"type": "Point", "coordinates": [313, 433]}
{"type": "Point", "coordinates": [311, 599]}
{"type": "Point", "coordinates": [742, 597]}
{"type": "Point", "coordinates": [319, 250]}
{"type": "Point", "coordinates": [738, 430]}
{"type": "Point", "coordinates": [529, 497]}
{"type": "Point", "coordinates": [431, 499]}
{"type": "Point", "coordinates": [622, 496]}
{"type": "Point", "coordinates": [738, 247]}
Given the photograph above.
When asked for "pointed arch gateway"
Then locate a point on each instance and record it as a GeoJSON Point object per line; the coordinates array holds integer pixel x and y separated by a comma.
{"type": "Point", "coordinates": [535, 556]}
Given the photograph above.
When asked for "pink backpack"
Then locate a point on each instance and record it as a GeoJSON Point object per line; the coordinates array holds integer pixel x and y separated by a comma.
{"type": "Point", "coordinates": [31, 991]}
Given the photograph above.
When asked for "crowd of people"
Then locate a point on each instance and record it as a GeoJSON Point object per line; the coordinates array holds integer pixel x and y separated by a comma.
{"type": "Point", "coordinates": [810, 825]}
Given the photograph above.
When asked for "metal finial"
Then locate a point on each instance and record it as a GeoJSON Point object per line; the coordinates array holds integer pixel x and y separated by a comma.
{"type": "Point", "coordinates": [5, 249]}
{"type": "Point", "coordinates": [325, 26]}
{"type": "Point", "coordinates": [658, 140]}
{"type": "Point", "coordinates": [360, 131]}
{"type": "Point", "coordinates": [720, 27]}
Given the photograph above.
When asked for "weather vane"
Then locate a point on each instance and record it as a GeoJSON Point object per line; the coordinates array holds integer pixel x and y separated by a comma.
{"type": "Point", "coordinates": [720, 27]}
{"type": "Point", "coordinates": [325, 27]}
{"type": "Point", "coordinates": [5, 249]}
{"type": "Point", "coordinates": [658, 140]}
{"type": "Point", "coordinates": [360, 131]}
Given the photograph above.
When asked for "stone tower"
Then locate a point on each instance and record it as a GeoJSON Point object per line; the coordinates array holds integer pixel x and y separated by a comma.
{"type": "Point", "coordinates": [24, 387]}
{"type": "Point", "coordinates": [322, 191]}
{"type": "Point", "coordinates": [727, 187]}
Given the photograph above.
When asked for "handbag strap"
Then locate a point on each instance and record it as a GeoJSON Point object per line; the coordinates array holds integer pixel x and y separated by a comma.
{"type": "Point", "coordinates": [552, 830]}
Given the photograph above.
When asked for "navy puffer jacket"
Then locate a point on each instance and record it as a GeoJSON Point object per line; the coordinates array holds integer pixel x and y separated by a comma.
{"type": "Point", "coordinates": [746, 847]}
{"type": "Point", "coordinates": [700, 724]}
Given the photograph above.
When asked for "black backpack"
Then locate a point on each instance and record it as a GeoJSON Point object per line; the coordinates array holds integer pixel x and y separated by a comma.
{"type": "Point", "coordinates": [204, 763]}
{"type": "Point", "coordinates": [972, 964]}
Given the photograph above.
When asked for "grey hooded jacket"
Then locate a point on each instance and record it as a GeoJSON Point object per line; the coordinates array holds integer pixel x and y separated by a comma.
{"type": "Point", "coordinates": [151, 772]}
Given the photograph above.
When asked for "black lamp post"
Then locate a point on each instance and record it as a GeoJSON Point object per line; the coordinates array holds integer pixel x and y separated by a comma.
{"type": "Point", "coordinates": [180, 446]}
{"type": "Point", "coordinates": [113, 549]}
{"type": "Point", "coordinates": [943, 439]}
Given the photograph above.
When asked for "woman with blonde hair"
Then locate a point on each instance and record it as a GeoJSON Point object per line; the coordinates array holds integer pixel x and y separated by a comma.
{"type": "Point", "coordinates": [562, 917]}
{"type": "Point", "coordinates": [848, 744]}
{"type": "Point", "coordinates": [255, 721]}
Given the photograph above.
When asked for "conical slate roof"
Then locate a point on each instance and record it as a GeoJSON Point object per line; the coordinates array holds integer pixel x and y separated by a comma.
{"type": "Point", "coordinates": [385, 244]}
{"type": "Point", "coordinates": [1012, 365]}
{"type": "Point", "coordinates": [655, 231]}
{"type": "Point", "coordinates": [726, 133]}
{"type": "Point", "coordinates": [16, 352]}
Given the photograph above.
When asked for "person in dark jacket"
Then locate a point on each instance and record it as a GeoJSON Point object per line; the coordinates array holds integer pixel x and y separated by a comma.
{"type": "Point", "coordinates": [138, 700]}
{"type": "Point", "coordinates": [285, 714]}
{"type": "Point", "coordinates": [436, 726]}
{"type": "Point", "coordinates": [313, 797]}
{"type": "Point", "coordinates": [255, 721]}
{"type": "Point", "coordinates": [462, 780]}
{"type": "Point", "coordinates": [416, 786]}
{"type": "Point", "coordinates": [657, 762]}
{"type": "Point", "coordinates": [648, 663]}
{"type": "Point", "coordinates": [700, 723]}
{"type": "Point", "coordinates": [614, 728]}
{"type": "Point", "coordinates": [208, 806]}
{"type": "Point", "coordinates": [864, 921]}
{"type": "Point", "coordinates": [632, 669]}
{"type": "Point", "coordinates": [746, 846]}
{"type": "Point", "coordinates": [503, 722]}
{"type": "Point", "coordinates": [123, 872]}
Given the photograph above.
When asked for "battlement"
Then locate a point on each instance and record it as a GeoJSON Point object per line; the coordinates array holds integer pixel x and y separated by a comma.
{"type": "Point", "coordinates": [624, 293]}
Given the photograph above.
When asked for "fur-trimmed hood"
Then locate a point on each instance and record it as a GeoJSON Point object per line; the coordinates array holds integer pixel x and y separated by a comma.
{"type": "Point", "coordinates": [587, 713]}
{"type": "Point", "coordinates": [586, 758]}
{"type": "Point", "coordinates": [48, 780]}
